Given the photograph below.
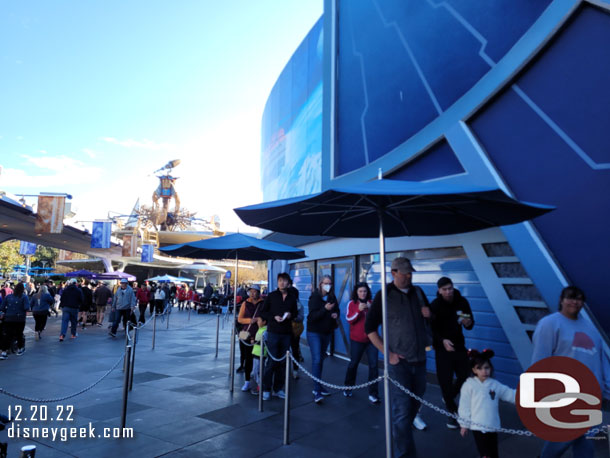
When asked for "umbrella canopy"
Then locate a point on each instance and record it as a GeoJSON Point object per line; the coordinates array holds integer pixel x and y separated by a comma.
{"type": "Point", "coordinates": [82, 274]}
{"type": "Point", "coordinates": [234, 246]}
{"type": "Point", "coordinates": [116, 276]}
{"type": "Point", "coordinates": [170, 279]}
{"type": "Point", "coordinates": [404, 207]}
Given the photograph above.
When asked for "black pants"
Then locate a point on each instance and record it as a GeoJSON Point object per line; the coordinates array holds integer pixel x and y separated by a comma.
{"type": "Point", "coordinates": [295, 346]}
{"type": "Point", "coordinates": [246, 353]}
{"type": "Point", "coordinates": [487, 444]}
{"type": "Point", "coordinates": [125, 315]}
{"type": "Point", "coordinates": [142, 308]}
{"type": "Point", "coordinates": [41, 320]}
{"type": "Point", "coordinates": [13, 330]}
{"type": "Point", "coordinates": [159, 306]}
{"type": "Point", "coordinates": [447, 364]}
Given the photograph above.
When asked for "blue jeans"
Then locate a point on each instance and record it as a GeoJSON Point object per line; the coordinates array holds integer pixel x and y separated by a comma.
{"type": "Point", "coordinates": [357, 349]}
{"type": "Point", "coordinates": [277, 345]}
{"type": "Point", "coordinates": [581, 448]}
{"type": "Point", "coordinates": [318, 343]}
{"type": "Point", "coordinates": [404, 408]}
{"type": "Point", "coordinates": [71, 315]}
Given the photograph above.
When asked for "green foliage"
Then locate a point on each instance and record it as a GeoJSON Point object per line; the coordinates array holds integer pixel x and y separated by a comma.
{"type": "Point", "coordinates": [9, 256]}
{"type": "Point", "coordinates": [45, 255]}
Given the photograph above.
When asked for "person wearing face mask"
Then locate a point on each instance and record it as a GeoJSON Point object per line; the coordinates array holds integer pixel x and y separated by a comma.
{"type": "Point", "coordinates": [321, 323]}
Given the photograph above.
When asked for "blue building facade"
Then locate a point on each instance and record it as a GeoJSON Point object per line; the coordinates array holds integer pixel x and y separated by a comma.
{"type": "Point", "coordinates": [510, 93]}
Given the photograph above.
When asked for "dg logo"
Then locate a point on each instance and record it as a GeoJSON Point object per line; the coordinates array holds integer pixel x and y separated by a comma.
{"type": "Point", "coordinates": [559, 399]}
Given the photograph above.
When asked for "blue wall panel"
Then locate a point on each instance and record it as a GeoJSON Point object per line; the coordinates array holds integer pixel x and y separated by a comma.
{"type": "Point", "coordinates": [413, 59]}
{"type": "Point", "coordinates": [548, 137]}
{"type": "Point", "coordinates": [438, 161]}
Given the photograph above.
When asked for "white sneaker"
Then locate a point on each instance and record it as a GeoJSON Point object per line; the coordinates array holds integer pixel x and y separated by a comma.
{"type": "Point", "coordinates": [279, 394]}
{"type": "Point", "coordinates": [266, 395]}
{"type": "Point", "coordinates": [419, 423]}
{"type": "Point", "coordinates": [3, 355]}
{"type": "Point", "coordinates": [246, 386]}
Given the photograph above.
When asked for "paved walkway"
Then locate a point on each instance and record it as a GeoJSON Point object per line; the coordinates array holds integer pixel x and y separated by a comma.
{"type": "Point", "coordinates": [180, 405]}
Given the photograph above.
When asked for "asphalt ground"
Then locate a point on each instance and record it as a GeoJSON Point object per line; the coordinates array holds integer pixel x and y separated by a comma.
{"type": "Point", "coordinates": [180, 404]}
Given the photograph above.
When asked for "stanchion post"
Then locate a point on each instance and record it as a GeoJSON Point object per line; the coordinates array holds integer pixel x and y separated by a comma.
{"type": "Point", "coordinates": [126, 343]}
{"type": "Point", "coordinates": [217, 332]}
{"type": "Point", "coordinates": [126, 386]}
{"type": "Point", "coordinates": [232, 360]}
{"type": "Point", "coordinates": [154, 329]}
{"type": "Point", "coordinates": [133, 357]}
{"type": "Point", "coordinates": [189, 313]}
{"type": "Point", "coordinates": [260, 374]}
{"type": "Point", "coordinates": [169, 312]}
{"type": "Point", "coordinates": [287, 401]}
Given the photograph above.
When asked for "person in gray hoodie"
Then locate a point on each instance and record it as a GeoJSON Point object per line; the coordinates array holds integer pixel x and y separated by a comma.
{"type": "Point", "coordinates": [13, 311]}
{"type": "Point", "coordinates": [124, 302]}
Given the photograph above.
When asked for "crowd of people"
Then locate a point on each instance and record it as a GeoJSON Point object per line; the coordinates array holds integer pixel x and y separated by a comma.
{"type": "Point", "coordinates": [414, 327]}
{"type": "Point", "coordinates": [86, 303]}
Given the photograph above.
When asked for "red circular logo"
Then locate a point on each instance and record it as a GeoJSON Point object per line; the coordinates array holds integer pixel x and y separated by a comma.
{"type": "Point", "coordinates": [559, 399]}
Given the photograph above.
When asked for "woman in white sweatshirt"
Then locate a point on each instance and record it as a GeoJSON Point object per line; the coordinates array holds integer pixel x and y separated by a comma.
{"type": "Point", "coordinates": [479, 404]}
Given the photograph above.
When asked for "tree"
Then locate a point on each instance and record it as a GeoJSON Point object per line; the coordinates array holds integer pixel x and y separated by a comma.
{"type": "Point", "coordinates": [45, 256]}
{"type": "Point", "coordinates": [9, 256]}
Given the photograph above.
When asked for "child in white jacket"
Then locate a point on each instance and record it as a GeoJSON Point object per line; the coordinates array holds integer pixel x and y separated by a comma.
{"type": "Point", "coordinates": [479, 404]}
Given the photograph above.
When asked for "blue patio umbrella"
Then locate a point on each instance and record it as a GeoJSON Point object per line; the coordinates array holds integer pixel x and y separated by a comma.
{"type": "Point", "coordinates": [170, 279]}
{"type": "Point", "coordinates": [82, 274]}
{"type": "Point", "coordinates": [391, 208]}
{"type": "Point", "coordinates": [238, 246]}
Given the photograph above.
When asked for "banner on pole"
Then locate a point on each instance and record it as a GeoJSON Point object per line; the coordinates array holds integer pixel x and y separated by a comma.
{"type": "Point", "coordinates": [50, 215]}
{"type": "Point", "coordinates": [27, 248]}
{"type": "Point", "coordinates": [130, 246]}
{"type": "Point", "coordinates": [147, 253]}
{"type": "Point", "coordinates": [100, 236]}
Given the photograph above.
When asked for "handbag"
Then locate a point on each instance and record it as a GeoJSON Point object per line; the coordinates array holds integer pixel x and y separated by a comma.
{"type": "Point", "coordinates": [245, 334]}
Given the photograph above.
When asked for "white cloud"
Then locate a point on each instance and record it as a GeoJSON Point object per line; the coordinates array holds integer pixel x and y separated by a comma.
{"type": "Point", "coordinates": [144, 143]}
{"type": "Point", "coordinates": [89, 152]}
{"type": "Point", "coordinates": [56, 171]}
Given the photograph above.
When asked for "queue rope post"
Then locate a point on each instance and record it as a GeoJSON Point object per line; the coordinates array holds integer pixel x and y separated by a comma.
{"type": "Point", "coordinates": [169, 312]}
{"type": "Point", "coordinates": [133, 357]}
{"type": "Point", "coordinates": [126, 342]}
{"type": "Point", "coordinates": [217, 332]}
{"type": "Point", "coordinates": [232, 356]}
{"type": "Point", "coordinates": [287, 400]}
{"type": "Point", "coordinates": [384, 318]}
{"type": "Point", "coordinates": [126, 385]}
{"type": "Point", "coordinates": [189, 312]}
{"type": "Point", "coordinates": [154, 331]}
{"type": "Point", "coordinates": [261, 359]}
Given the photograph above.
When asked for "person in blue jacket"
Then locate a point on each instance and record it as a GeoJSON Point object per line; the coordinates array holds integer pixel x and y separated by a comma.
{"type": "Point", "coordinates": [41, 303]}
{"type": "Point", "coordinates": [13, 312]}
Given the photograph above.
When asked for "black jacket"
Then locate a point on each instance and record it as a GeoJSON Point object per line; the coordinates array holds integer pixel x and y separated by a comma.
{"type": "Point", "coordinates": [276, 305]}
{"type": "Point", "coordinates": [319, 319]}
{"type": "Point", "coordinates": [445, 321]}
{"type": "Point", "coordinates": [407, 328]}
{"type": "Point", "coordinates": [72, 297]}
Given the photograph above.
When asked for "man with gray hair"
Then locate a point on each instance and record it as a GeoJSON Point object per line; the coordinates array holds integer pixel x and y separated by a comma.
{"type": "Point", "coordinates": [407, 312]}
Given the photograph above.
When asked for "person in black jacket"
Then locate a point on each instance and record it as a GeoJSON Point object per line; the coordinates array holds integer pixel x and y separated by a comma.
{"type": "Point", "coordinates": [321, 323]}
{"type": "Point", "coordinates": [278, 310]}
{"type": "Point", "coordinates": [450, 313]}
{"type": "Point", "coordinates": [71, 301]}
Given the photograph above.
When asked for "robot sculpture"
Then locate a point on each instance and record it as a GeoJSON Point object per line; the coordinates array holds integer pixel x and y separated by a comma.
{"type": "Point", "coordinates": [166, 191]}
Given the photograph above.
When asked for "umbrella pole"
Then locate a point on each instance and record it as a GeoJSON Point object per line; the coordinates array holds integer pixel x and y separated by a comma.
{"type": "Point", "coordinates": [232, 362]}
{"type": "Point", "coordinates": [384, 315]}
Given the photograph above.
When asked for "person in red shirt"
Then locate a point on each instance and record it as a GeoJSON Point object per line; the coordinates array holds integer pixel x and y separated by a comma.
{"type": "Point", "coordinates": [357, 310]}
{"type": "Point", "coordinates": [143, 296]}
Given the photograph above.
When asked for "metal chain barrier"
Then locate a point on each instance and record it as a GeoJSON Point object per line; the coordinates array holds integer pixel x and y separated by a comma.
{"type": "Point", "coordinates": [44, 401]}
{"type": "Point", "coordinates": [518, 432]}
{"type": "Point", "coordinates": [330, 385]}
